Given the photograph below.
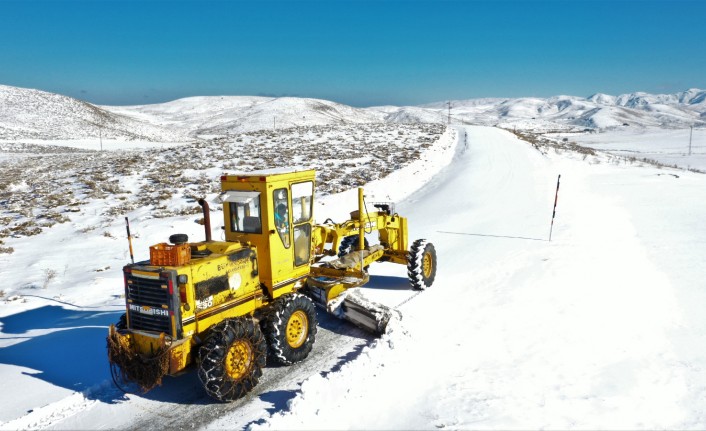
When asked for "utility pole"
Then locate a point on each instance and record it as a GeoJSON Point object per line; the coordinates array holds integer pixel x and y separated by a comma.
{"type": "Point", "coordinates": [274, 123]}
{"type": "Point", "coordinates": [449, 120]}
{"type": "Point", "coordinates": [691, 133]}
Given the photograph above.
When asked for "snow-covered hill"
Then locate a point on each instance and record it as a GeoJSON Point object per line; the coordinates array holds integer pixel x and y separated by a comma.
{"type": "Point", "coordinates": [34, 114]}
{"type": "Point", "coordinates": [690, 97]}
{"type": "Point", "coordinates": [227, 115]}
{"type": "Point", "coordinates": [600, 111]}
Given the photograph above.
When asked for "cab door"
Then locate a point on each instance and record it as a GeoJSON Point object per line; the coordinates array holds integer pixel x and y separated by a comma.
{"type": "Point", "coordinates": [290, 243]}
{"type": "Point", "coordinates": [281, 250]}
{"type": "Point", "coordinates": [302, 212]}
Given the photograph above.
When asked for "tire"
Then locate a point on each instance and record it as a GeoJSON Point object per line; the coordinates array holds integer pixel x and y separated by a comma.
{"type": "Point", "coordinates": [290, 328]}
{"type": "Point", "coordinates": [179, 238]}
{"type": "Point", "coordinates": [232, 358]}
{"type": "Point", "coordinates": [421, 264]}
{"type": "Point", "coordinates": [349, 244]}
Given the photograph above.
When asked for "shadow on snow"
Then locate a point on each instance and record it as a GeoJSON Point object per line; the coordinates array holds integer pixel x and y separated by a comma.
{"type": "Point", "coordinates": [386, 282]}
{"type": "Point", "coordinates": [74, 354]}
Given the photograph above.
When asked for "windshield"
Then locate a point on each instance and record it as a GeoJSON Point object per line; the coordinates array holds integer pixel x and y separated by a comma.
{"type": "Point", "coordinates": [244, 212]}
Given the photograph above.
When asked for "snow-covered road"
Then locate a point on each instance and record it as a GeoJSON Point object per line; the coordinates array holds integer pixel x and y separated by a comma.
{"type": "Point", "coordinates": [586, 331]}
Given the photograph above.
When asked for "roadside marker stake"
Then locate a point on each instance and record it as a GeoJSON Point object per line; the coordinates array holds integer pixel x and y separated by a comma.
{"type": "Point", "coordinates": [556, 197]}
{"type": "Point", "coordinates": [129, 239]}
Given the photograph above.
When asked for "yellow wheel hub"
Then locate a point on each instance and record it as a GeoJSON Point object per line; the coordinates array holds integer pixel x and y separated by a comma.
{"type": "Point", "coordinates": [297, 329]}
{"type": "Point", "coordinates": [427, 265]}
{"type": "Point", "coordinates": [239, 359]}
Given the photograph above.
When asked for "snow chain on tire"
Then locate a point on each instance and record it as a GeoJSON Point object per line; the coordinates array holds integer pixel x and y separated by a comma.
{"type": "Point", "coordinates": [421, 264]}
{"type": "Point", "coordinates": [294, 313]}
{"type": "Point", "coordinates": [232, 358]}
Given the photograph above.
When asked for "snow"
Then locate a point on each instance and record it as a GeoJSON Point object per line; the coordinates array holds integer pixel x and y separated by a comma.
{"type": "Point", "coordinates": [601, 328]}
{"type": "Point", "coordinates": [91, 144]}
{"type": "Point", "coordinates": [588, 331]}
{"type": "Point", "coordinates": [219, 115]}
{"type": "Point", "coordinates": [32, 114]}
{"type": "Point", "coordinates": [669, 147]}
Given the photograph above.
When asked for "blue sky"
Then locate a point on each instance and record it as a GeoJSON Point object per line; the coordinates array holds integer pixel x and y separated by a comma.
{"type": "Point", "coordinates": [361, 53]}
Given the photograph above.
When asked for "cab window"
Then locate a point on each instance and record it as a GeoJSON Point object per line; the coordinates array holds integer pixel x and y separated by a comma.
{"type": "Point", "coordinates": [302, 244]}
{"type": "Point", "coordinates": [302, 200]}
{"type": "Point", "coordinates": [244, 209]}
{"type": "Point", "coordinates": [281, 216]}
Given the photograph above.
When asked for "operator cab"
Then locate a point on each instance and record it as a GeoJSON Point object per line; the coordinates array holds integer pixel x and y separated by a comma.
{"type": "Point", "coordinates": [272, 210]}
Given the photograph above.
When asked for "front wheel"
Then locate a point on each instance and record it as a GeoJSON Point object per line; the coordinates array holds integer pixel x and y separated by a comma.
{"type": "Point", "coordinates": [421, 264]}
{"type": "Point", "coordinates": [290, 328]}
{"type": "Point", "coordinates": [232, 358]}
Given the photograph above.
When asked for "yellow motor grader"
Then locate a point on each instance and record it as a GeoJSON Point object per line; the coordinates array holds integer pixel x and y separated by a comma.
{"type": "Point", "coordinates": [223, 306]}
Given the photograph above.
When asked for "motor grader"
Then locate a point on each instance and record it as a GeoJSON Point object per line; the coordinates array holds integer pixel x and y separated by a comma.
{"type": "Point", "coordinates": [223, 306]}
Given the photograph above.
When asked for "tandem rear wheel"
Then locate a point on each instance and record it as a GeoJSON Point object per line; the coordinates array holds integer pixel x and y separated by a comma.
{"type": "Point", "coordinates": [290, 328]}
{"type": "Point", "coordinates": [232, 358]}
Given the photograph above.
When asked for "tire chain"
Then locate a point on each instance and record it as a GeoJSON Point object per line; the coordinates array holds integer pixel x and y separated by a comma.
{"type": "Point", "coordinates": [214, 350]}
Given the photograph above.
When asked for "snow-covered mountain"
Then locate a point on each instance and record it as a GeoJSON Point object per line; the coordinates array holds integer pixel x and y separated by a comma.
{"type": "Point", "coordinates": [600, 111]}
{"type": "Point", "coordinates": [222, 115]}
{"type": "Point", "coordinates": [690, 97]}
{"type": "Point", "coordinates": [410, 114]}
{"type": "Point", "coordinates": [34, 114]}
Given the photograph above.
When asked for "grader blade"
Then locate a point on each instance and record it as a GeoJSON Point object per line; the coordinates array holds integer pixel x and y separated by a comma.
{"type": "Point", "coordinates": [366, 314]}
{"type": "Point", "coordinates": [341, 298]}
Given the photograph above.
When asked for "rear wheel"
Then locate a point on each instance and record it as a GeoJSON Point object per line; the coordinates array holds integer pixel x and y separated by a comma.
{"type": "Point", "coordinates": [421, 264]}
{"type": "Point", "coordinates": [232, 358]}
{"type": "Point", "coordinates": [290, 328]}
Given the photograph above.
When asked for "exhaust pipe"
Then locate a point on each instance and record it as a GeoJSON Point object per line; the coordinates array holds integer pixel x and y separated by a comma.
{"type": "Point", "coordinates": [206, 218]}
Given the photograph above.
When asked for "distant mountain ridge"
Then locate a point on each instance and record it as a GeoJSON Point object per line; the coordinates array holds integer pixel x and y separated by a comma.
{"type": "Point", "coordinates": [693, 96]}
{"type": "Point", "coordinates": [599, 111]}
{"type": "Point", "coordinates": [35, 114]}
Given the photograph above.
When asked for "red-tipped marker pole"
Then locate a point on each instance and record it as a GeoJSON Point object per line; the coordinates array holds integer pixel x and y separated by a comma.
{"type": "Point", "coordinates": [556, 198]}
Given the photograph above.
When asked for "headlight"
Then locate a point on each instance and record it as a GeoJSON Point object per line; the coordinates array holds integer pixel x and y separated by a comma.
{"type": "Point", "coordinates": [183, 279]}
